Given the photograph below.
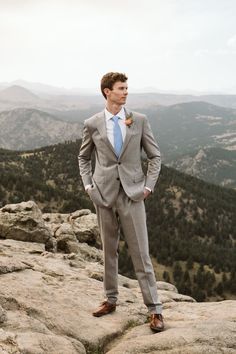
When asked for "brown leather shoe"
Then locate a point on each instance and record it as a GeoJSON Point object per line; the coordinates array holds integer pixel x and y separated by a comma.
{"type": "Point", "coordinates": [105, 308]}
{"type": "Point", "coordinates": [156, 322]}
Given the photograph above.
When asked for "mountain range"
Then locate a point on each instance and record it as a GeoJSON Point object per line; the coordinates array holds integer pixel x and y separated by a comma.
{"type": "Point", "coordinates": [20, 97]}
{"type": "Point", "coordinates": [191, 126]}
{"type": "Point", "coordinates": [198, 138]}
{"type": "Point", "coordinates": [17, 94]}
{"type": "Point", "coordinates": [77, 98]}
{"type": "Point", "coordinates": [44, 116]}
{"type": "Point", "coordinates": [26, 128]}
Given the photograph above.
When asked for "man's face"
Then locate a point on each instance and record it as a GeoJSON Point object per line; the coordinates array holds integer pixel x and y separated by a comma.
{"type": "Point", "coordinates": [118, 94]}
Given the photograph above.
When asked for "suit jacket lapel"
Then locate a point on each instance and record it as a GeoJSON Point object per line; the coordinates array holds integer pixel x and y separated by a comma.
{"type": "Point", "coordinates": [129, 132]}
{"type": "Point", "coordinates": [101, 126]}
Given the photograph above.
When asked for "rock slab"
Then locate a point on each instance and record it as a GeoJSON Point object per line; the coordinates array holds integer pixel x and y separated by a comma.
{"type": "Point", "coordinates": [46, 298]}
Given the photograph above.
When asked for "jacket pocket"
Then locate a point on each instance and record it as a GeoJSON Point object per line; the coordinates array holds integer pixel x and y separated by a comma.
{"type": "Point", "coordinates": [139, 178]}
{"type": "Point", "coordinates": [95, 196]}
{"type": "Point", "coordinates": [99, 179]}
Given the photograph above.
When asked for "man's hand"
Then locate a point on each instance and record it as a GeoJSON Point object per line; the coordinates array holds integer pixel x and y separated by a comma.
{"type": "Point", "coordinates": [146, 193]}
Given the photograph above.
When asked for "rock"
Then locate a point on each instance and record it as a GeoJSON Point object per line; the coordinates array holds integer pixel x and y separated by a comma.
{"type": "Point", "coordinates": [170, 296]}
{"type": "Point", "coordinates": [68, 229]}
{"type": "Point", "coordinates": [46, 298]}
{"type": "Point", "coordinates": [7, 265]}
{"type": "Point", "coordinates": [90, 253]}
{"type": "Point", "coordinates": [40, 343]}
{"type": "Point", "coordinates": [72, 247]}
{"type": "Point", "coordinates": [54, 221]}
{"type": "Point", "coordinates": [65, 237]}
{"type": "Point", "coordinates": [8, 343]}
{"type": "Point", "coordinates": [161, 285]}
{"type": "Point", "coordinates": [190, 329]}
{"type": "Point", "coordinates": [46, 308]}
{"type": "Point", "coordinates": [51, 245]}
{"type": "Point", "coordinates": [23, 222]}
{"type": "Point", "coordinates": [55, 218]}
{"type": "Point", "coordinates": [3, 315]}
{"type": "Point", "coordinates": [79, 213]}
{"type": "Point", "coordinates": [14, 247]}
{"type": "Point", "coordinates": [127, 282]}
{"type": "Point", "coordinates": [70, 256]}
{"type": "Point", "coordinates": [96, 275]}
{"type": "Point", "coordinates": [86, 230]}
{"type": "Point", "coordinates": [27, 296]}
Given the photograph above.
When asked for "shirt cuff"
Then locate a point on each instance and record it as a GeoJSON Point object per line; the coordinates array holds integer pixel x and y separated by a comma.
{"type": "Point", "coordinates": [149, 189]}
{"type": "Point", "coordinates": [88, 186]}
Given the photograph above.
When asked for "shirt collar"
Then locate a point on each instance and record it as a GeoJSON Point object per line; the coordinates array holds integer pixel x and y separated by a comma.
{"type": "Point", "coordinates": [120, 114]}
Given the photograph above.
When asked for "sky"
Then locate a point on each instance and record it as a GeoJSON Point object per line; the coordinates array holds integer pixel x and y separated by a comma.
{"type": "Point", "coordinates": [169, 45]}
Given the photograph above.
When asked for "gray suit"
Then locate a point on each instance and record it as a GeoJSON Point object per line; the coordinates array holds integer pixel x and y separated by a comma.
{"type": "Point", "coordinates": [117, 194]}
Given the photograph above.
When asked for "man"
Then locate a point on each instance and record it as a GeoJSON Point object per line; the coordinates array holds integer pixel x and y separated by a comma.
{"type": "Point", "coordinates": [118, 187]}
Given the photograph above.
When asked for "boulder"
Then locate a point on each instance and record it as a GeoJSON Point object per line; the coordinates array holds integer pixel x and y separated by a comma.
{"type": "Point", "coordinates": [24, 222]}
{"type": "Point", "coordinates": [86, 229]}
{"type": "Point", "coordinates": [69, 229]}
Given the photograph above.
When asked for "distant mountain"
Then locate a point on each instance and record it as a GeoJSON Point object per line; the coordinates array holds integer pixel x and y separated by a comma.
{"type": "Point", "coordinates": [188, 127]}
{"type": "Point", "coordinates": [17, 94]}
{"type": "Point", "coordinates": [74, 97]}
{"type": "Point", "coordinates": [197, 138]}
{"type": "Point", "coordinates": [214, 165]}
{"type": "Point", "coordinates": [45, 89]}
{"type": "Point", "coordinates": [23, 128]}
{"type": "Point", "coordinates": [20, 97]}
{"type": "Point", "coordinates": [219, 100]}
{"type": "Point", "coordinates": [39, 88]}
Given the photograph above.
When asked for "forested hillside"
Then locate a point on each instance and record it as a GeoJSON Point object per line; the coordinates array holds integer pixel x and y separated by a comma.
{"type": "Point", "coordinates": [187, 127]}
{"type": "Point", "coordinates": [214, 165]}
{"type": "Point", "coordinates": [192, 224]}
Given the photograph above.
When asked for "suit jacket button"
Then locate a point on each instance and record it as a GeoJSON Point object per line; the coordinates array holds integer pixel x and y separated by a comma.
{"type": "Point", "coordinates": [119, 163]}
{"type": "Point", "coordinates": [118, 179]}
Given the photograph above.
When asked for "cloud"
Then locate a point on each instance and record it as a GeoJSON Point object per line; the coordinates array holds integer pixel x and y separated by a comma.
{"type": "Point", "coordinates": [214, 52]}
{"type": "Point", "coordinates": [232, 41]}
{"type": "Point", "coordinates": [170, 44]}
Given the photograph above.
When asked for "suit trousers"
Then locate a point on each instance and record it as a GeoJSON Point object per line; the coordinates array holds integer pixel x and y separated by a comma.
{"type": "Point", "coordinates": [131, 216]}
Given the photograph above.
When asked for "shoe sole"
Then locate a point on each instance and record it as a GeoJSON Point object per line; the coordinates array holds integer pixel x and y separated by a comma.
{"type": "Point", "coordinates": [103, 314]}
{"type": "Point", "coordinates": [156, 329]}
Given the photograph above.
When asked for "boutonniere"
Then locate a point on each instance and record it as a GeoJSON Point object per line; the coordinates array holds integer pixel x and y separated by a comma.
{"type": "Point", "coordinates": [129, 119]}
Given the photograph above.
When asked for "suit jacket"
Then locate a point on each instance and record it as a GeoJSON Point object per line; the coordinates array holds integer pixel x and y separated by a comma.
{"type": "Point", "coordinates": [109, 170]}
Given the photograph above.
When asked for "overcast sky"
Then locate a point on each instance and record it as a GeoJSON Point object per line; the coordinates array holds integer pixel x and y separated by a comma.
{"type": "Point", "coordinates": [166, 44]}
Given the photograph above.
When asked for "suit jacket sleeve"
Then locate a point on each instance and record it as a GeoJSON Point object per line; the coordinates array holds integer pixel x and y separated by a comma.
{"type": "Point", "coordinates": [84, 158]}
{"type": "Point", "coordinates": [152, 151]}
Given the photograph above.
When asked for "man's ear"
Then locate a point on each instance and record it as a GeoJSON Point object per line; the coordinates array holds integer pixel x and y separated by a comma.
{"type": "Point", "coordinates": [107, 91]}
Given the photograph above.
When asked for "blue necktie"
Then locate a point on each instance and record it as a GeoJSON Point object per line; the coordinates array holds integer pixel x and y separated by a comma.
{"type": "Point", "coordinates": [118, 140]}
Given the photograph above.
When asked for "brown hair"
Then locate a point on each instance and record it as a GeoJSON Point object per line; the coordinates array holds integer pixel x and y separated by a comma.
{"type": "Point", "coordinates": [109, 79]}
